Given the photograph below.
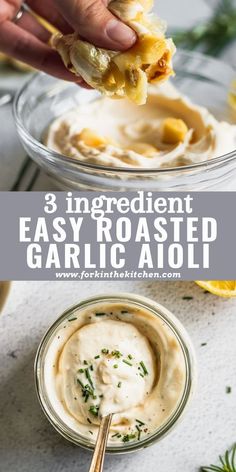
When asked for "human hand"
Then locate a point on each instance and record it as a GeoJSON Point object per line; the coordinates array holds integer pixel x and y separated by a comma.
{"type": "Point", "coordinates": [27, 39]}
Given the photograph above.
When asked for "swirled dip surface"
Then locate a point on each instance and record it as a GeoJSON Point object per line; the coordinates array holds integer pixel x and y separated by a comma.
{"type": "Point", "coordinates": [120, 134]}
{"type": "Point", "coordinates": [114, 358]}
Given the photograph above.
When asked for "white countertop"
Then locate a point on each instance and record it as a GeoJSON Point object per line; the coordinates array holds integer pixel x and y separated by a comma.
{"type": "Point", "coordinates": [29, 443]}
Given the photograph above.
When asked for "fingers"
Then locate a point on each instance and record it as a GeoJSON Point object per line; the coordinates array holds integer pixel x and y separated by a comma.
{"type": "Point", "coordinates": [30, 24]}
{"type": "Point", "coordinates": [47, 9]}
{"type": "Point", "coordinates": [96, 24]}
{"type": "Point", "coordinates": [25, 47]}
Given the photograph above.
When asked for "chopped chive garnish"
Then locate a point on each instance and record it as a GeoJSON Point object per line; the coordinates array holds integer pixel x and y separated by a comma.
{"type": "Point", "coordinates": [128, 437]}
{"type": "Point", "coordinates": [140, 422]}
{"type": "Point", "coordinates": [72, 319]}
{"type": "Point", "coordinates": [100, 314]}
{"type": "Point", "coordinates": [228, 390]}
{"type": "Point", "coordinates": [91, 367]}
{"type": "Point", "coordinates": [94, 410]}
{"type": "Point", "coordinates": [119, 436]}
{"type": "Point", "coordinates": [116, 354]}
{"type": "Point", "coordinates": [89, 421]}
{"type": "Point", "coordinates": [145, 371]}
{"type": "Point", "coordinates": [85, 363]}
{"type": "Point", "coordinates": [105, 351]}
{"type": "Point", "coordinates": [130, 357]}
{"type": "Point", "coordinates": [87, 391]}
{"type": "Point", "coordinates": [81, 383]}
{"type": "Point", "coordinates": [115, 366]}
{"type": "Point", "coordinates": [124, 312]}
{"type": "Point", "coordinates": [88, 376]}
{"type": "Point", "coordinates": [139, 432]}
{"type": "Point", "coordinates": [101, 396]}
{"type": "Point", "coordinates": [115, 435]}
{"type": "Point", "coordinates": [119, 384]}
{"type": "Point", "coordinates": [97, 357]}
{"type": "Point", "coordinates": [141, 375]}
{"type": "Point", "coordinates": [127, 362]}
{"type": "Point", "coordinates": [90, 432]}
{"type": "Point", "coordinates": [81, 371]}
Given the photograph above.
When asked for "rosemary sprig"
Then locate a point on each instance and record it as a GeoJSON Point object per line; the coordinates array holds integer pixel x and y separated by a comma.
{"type": "Point", "coordinates": [227, 462]}
{"type": "Point", "coordinates": [214, 34]}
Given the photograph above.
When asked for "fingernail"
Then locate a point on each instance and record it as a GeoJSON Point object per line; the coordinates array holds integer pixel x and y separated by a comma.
{"type": "Point", "coordinates": [120, 33]}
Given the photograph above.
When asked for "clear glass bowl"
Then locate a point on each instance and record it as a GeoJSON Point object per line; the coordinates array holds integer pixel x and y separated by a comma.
{"type": "Point", "coordinates": [138, 302]}
{"type": "Point", "coordinates": [206, 81]}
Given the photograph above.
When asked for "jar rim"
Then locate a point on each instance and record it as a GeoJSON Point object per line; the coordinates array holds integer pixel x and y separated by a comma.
{"type": "Point", "coordinates": [190, 371]}
{"type": "Point", "coordinates": [56, 157]}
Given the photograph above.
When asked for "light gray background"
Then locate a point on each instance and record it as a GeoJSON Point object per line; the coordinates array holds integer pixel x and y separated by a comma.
{"type": "Point", "coordinates": [222, 254]}
{"type": "Point", "coordinates": [181, 13]}
{"type": "Point", "coordinates": [29, 443]}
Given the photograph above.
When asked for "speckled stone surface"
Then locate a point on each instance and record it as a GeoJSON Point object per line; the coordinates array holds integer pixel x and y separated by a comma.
{"type": "Point", "coordinates": [29, 443]}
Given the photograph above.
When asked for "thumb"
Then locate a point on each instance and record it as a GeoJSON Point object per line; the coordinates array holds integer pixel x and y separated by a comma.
{"type": "Point", "coordinates": [94, 22]}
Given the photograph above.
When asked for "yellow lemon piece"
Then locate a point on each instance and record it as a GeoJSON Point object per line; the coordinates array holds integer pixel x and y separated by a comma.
{"type": "Point", "coordinates": [91, 138]}
{"type": "Point", "coordinates": [222, 288]}
{"type": "Point", "coordinates": [142, 148]}
{"type": "Point", "coordinates": [232, 95]}
{"type": "Point", "coordinates": [174, 131]}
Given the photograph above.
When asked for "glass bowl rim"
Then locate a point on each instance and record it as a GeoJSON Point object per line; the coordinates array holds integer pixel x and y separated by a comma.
{"type": "Point", "coordinates": [56, 157]}
{"type": "Point", "coordinates": [190, 365]}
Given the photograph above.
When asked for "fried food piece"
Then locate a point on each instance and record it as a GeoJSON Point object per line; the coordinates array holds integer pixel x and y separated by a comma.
{"type": "Point", "coordinates": [122, 74]}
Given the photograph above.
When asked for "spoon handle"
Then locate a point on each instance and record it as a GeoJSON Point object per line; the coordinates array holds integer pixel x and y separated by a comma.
{"type": "Point", "coordinates": [100, 448]}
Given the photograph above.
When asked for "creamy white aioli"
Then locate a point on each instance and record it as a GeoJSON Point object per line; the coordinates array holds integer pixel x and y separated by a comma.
{"type": "Point", "coordinates": [125, 124]}
{"type": "Point", "coordinates": [131, 361]}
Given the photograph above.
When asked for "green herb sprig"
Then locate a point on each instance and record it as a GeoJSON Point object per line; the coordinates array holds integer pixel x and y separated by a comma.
{"type": "Point", "coordinates": [94, 409]}
{"type": "Point", "coordinates": [128, 437]}
{"type": "Point", "coordinates": [227, 462]}
{"type": "Point", "coordinates": [145, 371]}
{"type": "Point", "coordinates": [214, 34]}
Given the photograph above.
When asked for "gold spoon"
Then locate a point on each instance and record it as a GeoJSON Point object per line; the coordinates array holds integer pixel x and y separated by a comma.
{"type": "Point", "coordinates": [101, 443]}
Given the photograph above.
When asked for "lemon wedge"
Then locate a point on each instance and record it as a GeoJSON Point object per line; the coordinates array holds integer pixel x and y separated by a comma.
{"type": "Point", "coordinates": [4, 290]}
{"type": "Point", "coordinates": [221, 288]}
{"type": "Point", "coordinates": [232, 95]}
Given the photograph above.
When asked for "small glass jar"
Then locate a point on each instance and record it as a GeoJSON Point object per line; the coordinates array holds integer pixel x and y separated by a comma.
{"type": "Point", "coordinates": [204, 80]}
{"type": "Point", "coordinates": [165, 317]}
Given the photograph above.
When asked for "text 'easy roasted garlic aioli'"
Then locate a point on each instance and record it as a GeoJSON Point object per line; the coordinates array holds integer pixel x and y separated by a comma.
{"type": "Point", "coordinates": [168, 131]}
{"type": "Point", "coordinates": [118, 358]}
